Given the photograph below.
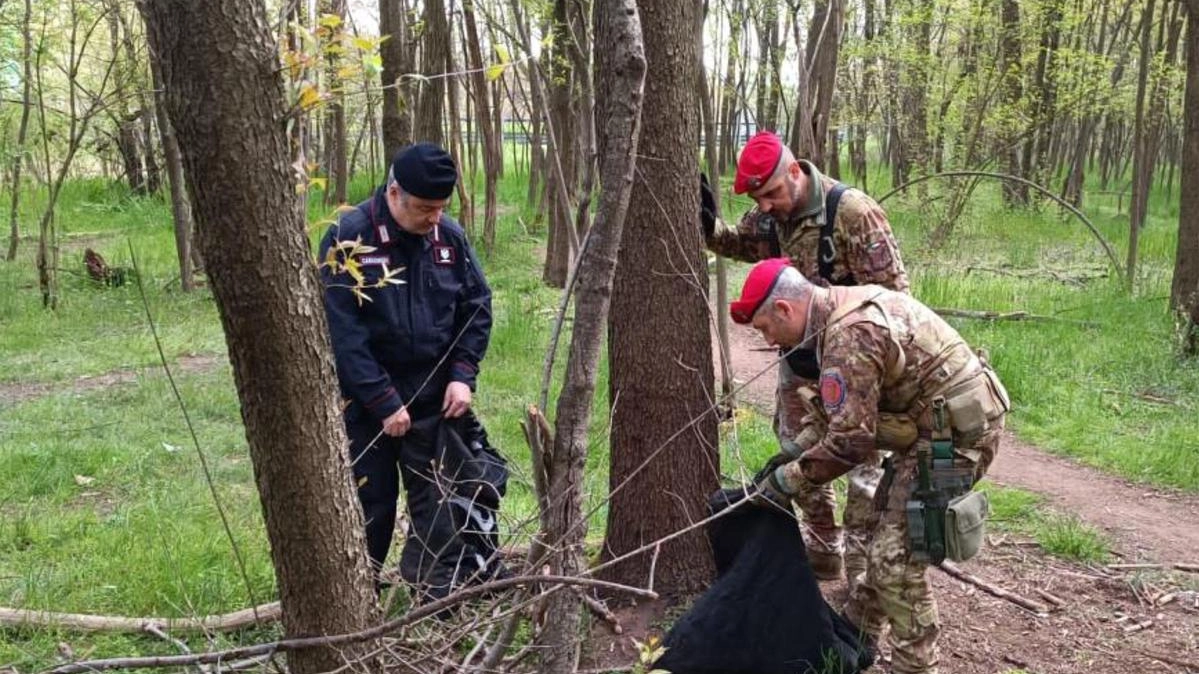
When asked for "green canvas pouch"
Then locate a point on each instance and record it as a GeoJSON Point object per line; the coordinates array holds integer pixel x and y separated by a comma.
{"type": "Point", "coordinates": [965, 525]}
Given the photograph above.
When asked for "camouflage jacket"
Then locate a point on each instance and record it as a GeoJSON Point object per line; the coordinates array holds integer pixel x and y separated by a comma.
{"type": "Point", "coordinates": [864, 246]}
{"type": "Point", "coordinates": [879, 351]}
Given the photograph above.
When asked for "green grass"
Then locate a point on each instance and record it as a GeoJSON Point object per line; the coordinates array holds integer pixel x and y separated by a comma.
{"type": "Point", "coordinates": [101, 513]}
{"type": "Point", "coordinates": [1059, 534]}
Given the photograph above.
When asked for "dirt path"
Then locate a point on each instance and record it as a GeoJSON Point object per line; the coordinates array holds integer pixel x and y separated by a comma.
{"type": "Point", "coordinates": [12, 393]}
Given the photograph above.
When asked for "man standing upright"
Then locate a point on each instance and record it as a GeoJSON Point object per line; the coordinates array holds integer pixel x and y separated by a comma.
{"type": "Point", "coordinates": [410, 319]}
{"type": "Point", "coordinates": [830, 232]}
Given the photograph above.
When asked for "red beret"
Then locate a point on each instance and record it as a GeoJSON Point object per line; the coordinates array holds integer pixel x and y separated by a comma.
{"type": "Point", "coordinates": [759, 158]}
{"type": "Point", "coordinates": [757, 288]}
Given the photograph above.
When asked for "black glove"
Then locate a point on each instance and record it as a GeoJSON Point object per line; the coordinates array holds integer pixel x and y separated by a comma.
{"type": "Point", "coordinates": [770, 494]}
{"type": "Point", "coordinates": [708, 213]}
{"type": "Point", "coordinates": [774, 462]}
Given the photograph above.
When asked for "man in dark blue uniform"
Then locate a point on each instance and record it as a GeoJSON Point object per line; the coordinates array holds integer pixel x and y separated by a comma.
{"type": "Point", "coordinates": [410, 318]}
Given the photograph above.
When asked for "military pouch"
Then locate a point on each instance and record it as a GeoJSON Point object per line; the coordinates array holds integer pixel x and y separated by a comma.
{"type": "Point", "coordinates": [973, 405]}
{"type": "Point", "coordinates": [965, 525]}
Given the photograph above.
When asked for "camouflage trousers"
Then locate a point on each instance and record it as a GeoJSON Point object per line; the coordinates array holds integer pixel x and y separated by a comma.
{"type": "Point", "coordinates": [895, 590]}
{"type": "Point", "coordinates": [818, 503]}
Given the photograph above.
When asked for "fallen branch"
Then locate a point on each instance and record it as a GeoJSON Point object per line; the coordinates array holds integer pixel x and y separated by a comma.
{"type": "Point", "coordinates": [1189, 665]}
{"type": "Point", "coordinates": [301, 643]}
{"type": "Point", "coordinates": [1025, 603]}
{"type": "Point", "coordinates": [229, 622]}
{"type": "Point", "coordinates": [1147, 397]}
{"type": "Point", "coordinates": [601, 610]}
{"type": "Point", "coordinates": [987, 315]}
{"type": "Point", "coordinates": [1059, 603]}
{"type": "Point", "coordinates": [1180, 566]}
{"type": "Point", "coordinates": [1138, 626]}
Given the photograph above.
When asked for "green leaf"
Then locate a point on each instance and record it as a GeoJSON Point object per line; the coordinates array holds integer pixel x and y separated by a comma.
{"type": "Point", "coordinates": [496, 71]}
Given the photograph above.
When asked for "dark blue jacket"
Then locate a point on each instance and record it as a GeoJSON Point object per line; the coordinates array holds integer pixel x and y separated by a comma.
{"type": "Point", "coordinates": [387, 348]}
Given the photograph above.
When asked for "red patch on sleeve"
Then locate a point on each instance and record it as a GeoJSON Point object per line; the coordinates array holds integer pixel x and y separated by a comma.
{"type": "Point", "coordinates": [832, 391]}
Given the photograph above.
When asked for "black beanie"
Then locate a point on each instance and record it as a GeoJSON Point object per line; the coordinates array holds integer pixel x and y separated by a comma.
{"type": "Point", "coordinates": [425, 170]}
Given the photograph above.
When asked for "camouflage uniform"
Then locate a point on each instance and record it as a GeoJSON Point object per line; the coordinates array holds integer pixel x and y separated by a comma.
{"type": "Point", "coordinates": [883, 352]}
{"type": "Point", "coordinates": [865, 252]}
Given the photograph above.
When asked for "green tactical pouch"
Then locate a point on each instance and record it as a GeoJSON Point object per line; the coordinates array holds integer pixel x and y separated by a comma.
{"type": "Point", "coordinates": [965, 525]}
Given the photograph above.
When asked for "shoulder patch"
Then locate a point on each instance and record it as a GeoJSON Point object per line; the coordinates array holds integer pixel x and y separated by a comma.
{"type": "Point", "coordinates": [832, 391]}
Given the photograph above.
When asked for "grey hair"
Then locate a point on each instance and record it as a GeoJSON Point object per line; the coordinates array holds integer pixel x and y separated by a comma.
{"type": "Point", "coordinates": [791, 285]}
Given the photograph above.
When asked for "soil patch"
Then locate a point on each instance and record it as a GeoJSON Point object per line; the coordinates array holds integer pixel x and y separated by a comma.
{"type": "Point", "coordinates": [13, 393]}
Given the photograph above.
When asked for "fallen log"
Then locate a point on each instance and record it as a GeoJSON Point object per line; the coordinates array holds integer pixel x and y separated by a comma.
{"type": "Point", "coordinates": [994, 590]}
{"type": "Point", "coordinates": [988, 315]}
{"type": "Point", "coordinates": [82, 622]}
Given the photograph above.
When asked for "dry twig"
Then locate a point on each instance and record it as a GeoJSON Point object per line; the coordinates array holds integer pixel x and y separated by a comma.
{"type": "Point", "coordinates": [994, 590]}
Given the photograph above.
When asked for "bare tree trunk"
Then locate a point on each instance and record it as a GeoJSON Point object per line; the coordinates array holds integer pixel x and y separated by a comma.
{"type": "Point", "coordinates": [1184, 290]}
{"type": "Point", "coordinates": [458, 149]}
{"type": "Point", "coordinates": [707, 118]}
{"type": "Point", "coordinates": [1033, 162]}
{"type": "Point", "coordinates": [914, 152]}
{"type": "Point", "coordinates": [14, 236]}
{"type": "Point", "coordinates": [563, 159]}
{"type": "Point", "coordinates": [126, 120]}
{"type": "Point", "coordinates": [664, 443]}
{"type": "Point", "coordinates": [180, 206]}
{"type": "Point", "coordinates": [620, 75]}
{"type": "Point", "coordinates": [729, 103]}
{"type": "Point", "coordinates": [1142, 162]}
{"type": "Point", "coordinates": [802, 143]}
{"type": "Point", "coordinates": [335, 110]}
{"type": "Point", "coordinates": [864, 100]}
{"type": "Point", "coordinates": [153, 172]}
{"type": "Point", "coordinates": [434, 54]}
{"type": "Point", "coordinates": [396, 54]}
{"type": "Point", "coordinates": [492, 156]}
{"type": "Point", "coordinates": [269, 298]}
{"type": "Point", "coordinates": [824, 43]}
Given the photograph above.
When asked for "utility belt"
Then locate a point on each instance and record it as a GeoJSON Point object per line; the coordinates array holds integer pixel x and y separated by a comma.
{"type": "Point", "coordinates": [946, 518]}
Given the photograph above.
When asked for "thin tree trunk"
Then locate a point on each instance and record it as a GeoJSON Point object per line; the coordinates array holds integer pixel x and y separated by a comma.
{"type": "Point", "coordinates": [269, 298]}
{"type": "Point", "coordinates": [620, 75]}
{"type": "Point", "coordinates": [562, 242]}
{"type": "Point", "coordinates": [824, 43]}
{"type": "Point", "coordinates": [14, 237]}
{"type": "Point", "coordinates": [434, 50]}
{"type": "Point", "coordinates": [1141, 160]}
{"type": "Point", "coordinates": [711, 151]}
{"type": "Point", "coordinates": [180, 206]}
{"type": "Point", "coordinates": [335, 110]}
{"type": "Point", "coordinates": [396, 56]}
{"type": "Point", "coordinates": [491, 150]}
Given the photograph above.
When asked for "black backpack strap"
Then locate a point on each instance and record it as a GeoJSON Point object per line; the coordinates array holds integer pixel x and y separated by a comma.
{"type": "Point", "coordinates": [776, 246]}
{"type": "Point", "coordinates": [827, 252]}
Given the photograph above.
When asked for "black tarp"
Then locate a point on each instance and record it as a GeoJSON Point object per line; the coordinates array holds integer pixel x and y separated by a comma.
{"type": "Point", "coordinates": [764, 614]}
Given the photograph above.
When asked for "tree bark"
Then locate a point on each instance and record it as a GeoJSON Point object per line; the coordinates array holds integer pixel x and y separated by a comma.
{"type": "Point", "coordinates": [492, 157]}
{"type": "Point", "coordinates": [562, 158]}
{"type": "Point", "coordinates": [396, 54]}
{"type": "Point", "coordinates": [435, 50]}
{"type": "Point", "coordinates": [1036, 147]}
{"type": "Point", "coordinates": [336, 151]}
{"type": "Point", "coordinates": [181, 210]}
{"type": "Point", "coordinates": [659, 343]}
{"type": "Point", "coordinates": [126, 120]}
{"type": "Point", "coordinates": [1142, 169]}
{"type": "Point", "coordinates": [1184, 289]}
{"type": "Point", "coordinates": [620, 76]}
{"type": "Point", "coordinates": [269, 298]}
{"type": "Point", "coordinates": [14, 236]}
{"type": "Point", "coordinates": [824, 43]}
